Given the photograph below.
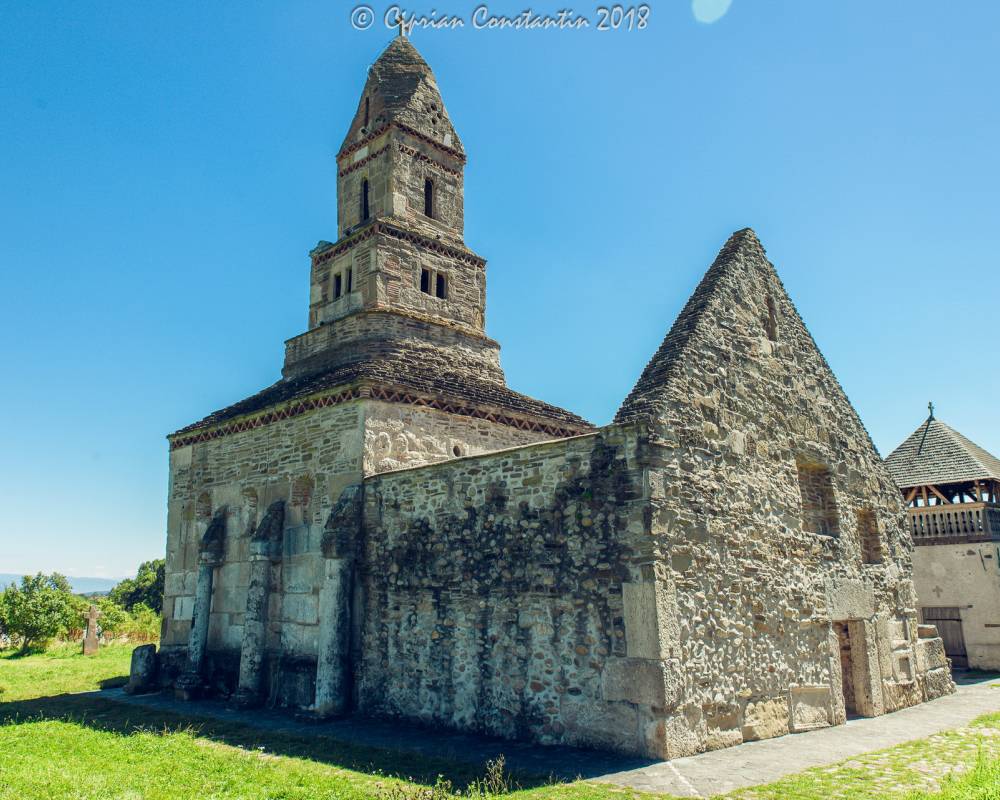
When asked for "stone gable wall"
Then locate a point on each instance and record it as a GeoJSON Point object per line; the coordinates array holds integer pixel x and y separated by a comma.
{"type": "Point", "coordinates": [756, 588]}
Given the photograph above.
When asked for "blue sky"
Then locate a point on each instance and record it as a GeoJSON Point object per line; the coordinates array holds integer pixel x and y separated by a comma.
{"type": "Point", "coordinates": [166, 167]}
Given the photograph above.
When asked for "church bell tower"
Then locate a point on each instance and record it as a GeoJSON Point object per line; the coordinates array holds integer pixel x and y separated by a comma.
{"type": "Point", "coordinates": [400, 254]}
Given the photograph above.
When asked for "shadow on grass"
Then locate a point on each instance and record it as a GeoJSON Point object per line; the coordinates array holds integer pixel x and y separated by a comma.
{"type": "Point", "coordinates": [17, 653]}
{"type": "Point", "coordinates": [311, 742]}
{"type": "Point", "coordinates": [113, 683]}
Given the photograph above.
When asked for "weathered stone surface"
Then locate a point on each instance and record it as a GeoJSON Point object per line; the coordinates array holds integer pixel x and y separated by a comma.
{"type": "Point", "coordinates": [142, 670]}
{"type": "Point", "coordinates": [90, 640]}
{"type": "Point", "coordinates": [764, 719]}
{"type": "Point", "coordinates": [810, 707]}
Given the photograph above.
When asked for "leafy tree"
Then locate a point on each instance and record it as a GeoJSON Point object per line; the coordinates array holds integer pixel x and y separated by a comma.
{"type": "Point", "coordinates": [114, 619]}
{"type": "Point", "coordinates": [79, 606]}
{"type": "Point", "coordinates": [145, 624]}
{"type": "Point", "coordinates": [37, 611]}
{"type": "Point", "coordinates": [146, 587]}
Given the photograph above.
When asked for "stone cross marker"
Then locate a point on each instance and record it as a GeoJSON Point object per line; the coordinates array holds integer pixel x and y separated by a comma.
{"type": "Point", "coordinates": [90, 635]}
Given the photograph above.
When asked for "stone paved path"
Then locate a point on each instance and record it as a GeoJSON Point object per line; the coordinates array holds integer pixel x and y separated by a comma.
{"type": "Point", "coordinates": [703, 775]}
{"type": "Point", "coordinates": [755, 763]}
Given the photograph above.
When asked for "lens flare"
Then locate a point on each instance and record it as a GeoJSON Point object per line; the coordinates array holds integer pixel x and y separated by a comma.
{"type": "Point", "coordinates": [709, 11]}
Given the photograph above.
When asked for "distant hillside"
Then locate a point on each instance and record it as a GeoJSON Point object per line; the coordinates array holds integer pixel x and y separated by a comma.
{"type": "Point", "coordinates": [80, 585]}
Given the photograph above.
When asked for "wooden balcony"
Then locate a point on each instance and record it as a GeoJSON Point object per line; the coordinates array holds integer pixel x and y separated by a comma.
{"type": "Point", "coordinates": [954, 522]}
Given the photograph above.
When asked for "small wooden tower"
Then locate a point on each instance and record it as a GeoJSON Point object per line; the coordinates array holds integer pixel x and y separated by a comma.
{"type": "Point", "coordinates": [951, 489]}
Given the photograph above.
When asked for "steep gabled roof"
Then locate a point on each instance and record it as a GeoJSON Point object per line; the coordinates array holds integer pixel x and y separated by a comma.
{"type": "Point", "coordinates": [935, 453]}
{"type": "Point", "coordinates": [647, 395]}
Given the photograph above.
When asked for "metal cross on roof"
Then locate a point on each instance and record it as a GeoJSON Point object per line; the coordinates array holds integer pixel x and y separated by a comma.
{"type": "Point", "coordinates": [930, 407]}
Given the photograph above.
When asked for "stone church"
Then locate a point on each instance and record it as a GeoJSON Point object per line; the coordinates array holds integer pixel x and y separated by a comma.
{"type": "Point", "coordinates": [390, 530]}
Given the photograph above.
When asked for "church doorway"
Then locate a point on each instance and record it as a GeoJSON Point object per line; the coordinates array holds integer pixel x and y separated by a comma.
{"type": "Point", "coordinates": [847, 667]}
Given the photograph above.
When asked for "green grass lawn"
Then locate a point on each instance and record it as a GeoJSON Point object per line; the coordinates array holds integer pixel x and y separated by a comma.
{"type": "Point", "coordinates": [62, 669]}
{"type": "Point", "coordinates": [56, 744]}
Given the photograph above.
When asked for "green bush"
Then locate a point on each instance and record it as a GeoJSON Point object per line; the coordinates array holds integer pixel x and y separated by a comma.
{"type": "Point", "coordinates": [39, 610]}
{"type": "Point", "coordinates": [143, 625]}
{"type": "Point", "coordinates": [113, 620]}
{"type": "Point", "coordinates": [145, 588]}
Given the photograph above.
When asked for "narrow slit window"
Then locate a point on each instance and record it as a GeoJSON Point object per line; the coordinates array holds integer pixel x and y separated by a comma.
{"type": "Point", "coordinates": [338, 286]}
{"type": "Point", "coordinates": [440, 287]}
{"type": "Point", "coordinates": [425, 281]}
{"type": "Point", "coordinates": [366, 112]}
{"type": "Point", "coordinates": [364, 200]}
{"type": "Point", "coordinates": [771, 323]}
{"type": "Point", "coordinates": [350, 280]}
{"type": "Point", "coordinates": [429, 198]}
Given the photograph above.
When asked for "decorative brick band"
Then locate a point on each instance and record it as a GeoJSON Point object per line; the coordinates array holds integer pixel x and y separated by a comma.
{"type": "Point", "coordinates": [405, 129]}
{"type": "Point", "coordinates": [362, 162]}
{"type": "Point", "coordinates": [346, 245]}
{"type": "Point", "coordinates": [421, 157]}
{"type": "Point", "coordinates": [440, 404]}
{"type": "Point", "coordinates": [386, 394]}
{"type": "Point", "coordinates": [432, 244]}
{"type": "Point", "coordinates": [398, 233]}
{"type": "Point", "coordinates": [266, 418]}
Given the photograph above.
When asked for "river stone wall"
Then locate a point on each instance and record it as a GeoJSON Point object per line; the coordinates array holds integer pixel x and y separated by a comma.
{"type": "Point", "coordinates": [497, 592]}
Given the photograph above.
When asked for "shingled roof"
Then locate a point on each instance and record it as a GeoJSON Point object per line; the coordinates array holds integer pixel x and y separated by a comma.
{"type": "Point", "coordinates": [401, 373]}
{"type": "Point", "coordinates": [935, 453]}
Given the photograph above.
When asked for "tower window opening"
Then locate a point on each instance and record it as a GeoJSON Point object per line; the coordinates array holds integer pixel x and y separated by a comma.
{"type": "Point", "coordinates": [440, 287]}
{"type": "Point", "coordinates": [338, 286]}
{"type": "Point", "coordinates": [429, 198]}
{"type": "Point", "coordinates": [366, 111]}
{"type": "Point", "coordinates": [364, 200]}
{"type": "Point", "coordinates": [350, 280]}
{"type": "Point", "coordinates": [425, 281]}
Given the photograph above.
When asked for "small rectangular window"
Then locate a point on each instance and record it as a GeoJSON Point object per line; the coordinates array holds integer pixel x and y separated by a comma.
{"type": "Point", "coordinates": [338, 286]}
{"type": "Point", "coordinates": [350, 280]}
{"type": "Point", "coordinates": [819, 505]}
{"type": "Point", "coordinates": [425, 281]}
{"type": "Point", "coordinates": [440, 288]}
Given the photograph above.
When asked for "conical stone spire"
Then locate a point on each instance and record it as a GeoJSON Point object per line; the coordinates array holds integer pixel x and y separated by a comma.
{"type": "Point", "coordinates": [401, 89]}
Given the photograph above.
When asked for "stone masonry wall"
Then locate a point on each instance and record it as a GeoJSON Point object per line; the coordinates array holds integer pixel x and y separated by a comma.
{"type": "Point", "coordinates": [493, 591]}
{"type": "Point", "coordinates": [305, 461]}
{"type": "Point", "coordinates": [400, 436]}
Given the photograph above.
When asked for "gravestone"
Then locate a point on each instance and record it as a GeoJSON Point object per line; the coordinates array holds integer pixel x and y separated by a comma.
{"type": "Point", "coordinates": [90, 635]}
{"type": "Point", "coordinates": [142, 674]}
